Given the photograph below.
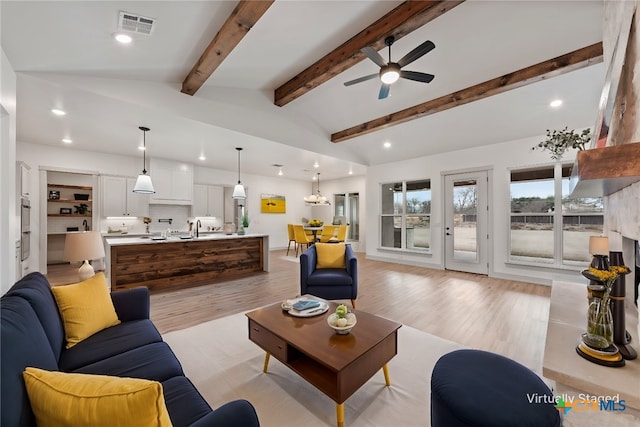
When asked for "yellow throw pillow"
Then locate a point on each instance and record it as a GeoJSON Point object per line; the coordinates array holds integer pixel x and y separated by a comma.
{"type": "Point", "coordinates": [330, 255]}
{"type": "Point", "coordinates": [85, 307]}
{"type": "Point", "coordinates": [81, 400]}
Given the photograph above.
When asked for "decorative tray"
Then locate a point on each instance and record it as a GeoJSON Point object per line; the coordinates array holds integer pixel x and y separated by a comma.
{"type": "Point", "coordinates": [315, 311]}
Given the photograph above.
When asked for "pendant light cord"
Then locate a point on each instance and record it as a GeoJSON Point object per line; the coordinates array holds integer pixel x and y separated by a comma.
{"type": "Point", "coordinates": [144, 130]}
{"type": "Point", "coordinates": [239, 149]}
{"type": "Point", "coordinates": [144, 152]}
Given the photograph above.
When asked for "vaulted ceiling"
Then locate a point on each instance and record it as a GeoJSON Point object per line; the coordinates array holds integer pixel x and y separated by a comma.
{"type": "Point", "coordinates": [268, 76]}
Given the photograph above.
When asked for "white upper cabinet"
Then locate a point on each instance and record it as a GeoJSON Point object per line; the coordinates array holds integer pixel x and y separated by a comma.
{"type": "Point", "coordinates": [173, 182]}
{"type": "Point", "coordinates": [208, 200]}
{"type": "Point", "coordinates": [118, 198]}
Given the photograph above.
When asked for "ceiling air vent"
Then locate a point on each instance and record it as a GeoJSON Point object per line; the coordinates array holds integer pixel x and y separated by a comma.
{"type": "Point", "coordinates": [136, 23]}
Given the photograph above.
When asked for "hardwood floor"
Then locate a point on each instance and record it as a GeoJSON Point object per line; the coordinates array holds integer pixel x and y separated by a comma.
{"type": "Point", "coordinates": [502, 316]}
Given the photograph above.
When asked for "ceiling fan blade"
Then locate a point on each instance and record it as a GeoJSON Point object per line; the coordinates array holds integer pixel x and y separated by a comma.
{"type": "Point", "coordinates": [384, 91]}
{"type": "Point", "coordinates": [361, 79]}
{"type": "Point", "coordinates": [416, 53]}
{"type": "Point", "coordinates": [417, 76]}
{"type": "Point", "coordinates": [373, 55]}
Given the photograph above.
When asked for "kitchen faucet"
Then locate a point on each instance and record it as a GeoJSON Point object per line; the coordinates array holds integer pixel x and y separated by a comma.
{"type": "Point", "coordinates": [198, 225]}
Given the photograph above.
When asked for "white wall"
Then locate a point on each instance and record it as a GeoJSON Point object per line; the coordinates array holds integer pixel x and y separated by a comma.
{"type": "Point", "coordinates": [9, 223]}
{"type": "Point", "coordinates": [497, 157]}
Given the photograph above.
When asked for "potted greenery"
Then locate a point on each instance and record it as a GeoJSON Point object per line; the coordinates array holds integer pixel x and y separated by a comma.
{"type": "Point", "coordinates": [559, 141]}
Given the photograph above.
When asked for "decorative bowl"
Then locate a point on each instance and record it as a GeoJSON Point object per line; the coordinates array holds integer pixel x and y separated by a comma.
{"type": "Point", "coordinates": [332, 321]}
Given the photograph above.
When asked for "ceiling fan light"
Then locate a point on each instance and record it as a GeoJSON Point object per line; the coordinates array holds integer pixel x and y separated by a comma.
{"type": "Point", "coordinates": [389, 76]}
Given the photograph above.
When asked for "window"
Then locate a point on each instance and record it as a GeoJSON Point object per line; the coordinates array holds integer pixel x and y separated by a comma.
{"type": "Point", "coordinates": [539, 232]}
{"type": "Point", "coordinates": [405, 215]}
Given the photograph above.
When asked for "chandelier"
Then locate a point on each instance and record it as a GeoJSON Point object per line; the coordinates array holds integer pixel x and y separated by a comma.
{"type": "Point", "coordinates": [316, 199]}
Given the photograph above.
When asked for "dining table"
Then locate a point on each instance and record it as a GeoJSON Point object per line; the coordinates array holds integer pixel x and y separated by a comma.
{"type": "Point", "coordinates": [314, 230]}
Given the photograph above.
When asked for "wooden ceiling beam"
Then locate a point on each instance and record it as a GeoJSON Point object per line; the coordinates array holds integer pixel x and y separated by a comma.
{"type": "Point", "coordinates": [401, 21]}
{"type": "Point", "coordinates": [572, 61]}
{"type": "Point", "coordinates": [242, 19]}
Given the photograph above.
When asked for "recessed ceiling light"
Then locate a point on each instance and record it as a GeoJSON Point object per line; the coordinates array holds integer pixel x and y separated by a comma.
{"type": "Point", "coordinates": [67, 140]}
{"type": "Point", "coordinates": [556, 103]}
{"type": "Point", "coordinates": [387, 144]}
{"type": "Point", "coordinates": [141, 147]}
{"type": "Point", "coordinates": [316, 165]}
{"type": "Point", "coordinates": [202, 157]}
{"type": "Point", "coordinates": [280, 173]}
{"type": "Point", "coordinates": [58, 112]}
{"type": "Point", "coordinates": [350, 172]}
{"type": "Point", "coordinates": [122, 38]}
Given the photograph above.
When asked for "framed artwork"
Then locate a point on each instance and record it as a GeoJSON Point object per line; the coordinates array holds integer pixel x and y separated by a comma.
{"type": "Point", "coordinates": [272, 203]}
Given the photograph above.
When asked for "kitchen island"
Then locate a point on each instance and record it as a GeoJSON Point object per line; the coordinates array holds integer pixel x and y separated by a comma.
{"type": "Point", "coordinates": [178, 262]}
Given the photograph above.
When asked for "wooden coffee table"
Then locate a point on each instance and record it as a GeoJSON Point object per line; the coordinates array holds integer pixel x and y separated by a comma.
{"type": "Point", "coordinates": [337, 365]}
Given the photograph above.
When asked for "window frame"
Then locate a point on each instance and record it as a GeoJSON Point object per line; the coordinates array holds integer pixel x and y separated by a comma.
{"type": "Point", "coordinates": [557, 216]}
{"type": "Point", "coordinates": [401, 215]}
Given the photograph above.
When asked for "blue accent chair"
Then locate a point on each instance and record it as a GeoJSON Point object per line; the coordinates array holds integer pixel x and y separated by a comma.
{"type": "Point", "coordinates": [329, 283]}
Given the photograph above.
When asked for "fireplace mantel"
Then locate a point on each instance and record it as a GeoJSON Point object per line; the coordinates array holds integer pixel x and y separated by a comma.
{"type": "Point", "coordinates": [604, 171]}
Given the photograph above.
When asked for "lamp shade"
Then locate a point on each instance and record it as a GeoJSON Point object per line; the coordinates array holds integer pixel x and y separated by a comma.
{"type": "Point", "coordinates": [599, 245]}
{"type": "Point", "coordinates": [143, 185]}
{"type": "Point", "coordinates": [238, 192]}
{"type": "Point", "coordinates": [84, 245]}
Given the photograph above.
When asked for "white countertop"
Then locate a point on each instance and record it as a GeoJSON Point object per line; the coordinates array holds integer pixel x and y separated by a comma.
{"type": "Point", "coordinates": [125, 239]}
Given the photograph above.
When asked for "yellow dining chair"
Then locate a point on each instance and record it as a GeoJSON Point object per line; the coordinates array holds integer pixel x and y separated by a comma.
{"type": "Point", "coordinates": [342, 233]}
{"type": "Point", "coordinates": [301, 237]}
{"type": "Point", "coordinates": [292, 237]}
{"type": "Point", "coordinates": [328, 231]}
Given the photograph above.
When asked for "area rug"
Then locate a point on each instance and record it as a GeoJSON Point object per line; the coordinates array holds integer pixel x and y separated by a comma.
{"type": "Point", "coordinates": [224, 365]}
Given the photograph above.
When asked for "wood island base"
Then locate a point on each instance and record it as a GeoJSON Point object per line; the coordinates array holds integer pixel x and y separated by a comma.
{"type": "Point", "coordinates": [175, 264]}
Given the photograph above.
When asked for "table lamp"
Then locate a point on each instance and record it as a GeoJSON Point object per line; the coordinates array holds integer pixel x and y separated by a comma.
{"type": "Point", "coordinates": [83, 246]}
{"type": "Point", "coordinates": [599, 248]}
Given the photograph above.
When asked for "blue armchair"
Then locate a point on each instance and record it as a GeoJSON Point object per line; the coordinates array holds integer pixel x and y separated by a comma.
{"type": "Point", "coordinates": [329, 283]}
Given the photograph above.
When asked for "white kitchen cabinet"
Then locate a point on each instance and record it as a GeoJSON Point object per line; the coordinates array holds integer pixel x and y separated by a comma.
{"type": "Point", "coordinates": [208, 200]}
{"type": "Point", "coordinates": [118, 198]}
{"type": "Point", "coordinates": [137, 204]}
{"type": "Point", "coordinates": [172, 181]}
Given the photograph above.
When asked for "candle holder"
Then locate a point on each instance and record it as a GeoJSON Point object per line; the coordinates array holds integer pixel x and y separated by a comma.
{"type": "Point", "coordinates": [621, 337]}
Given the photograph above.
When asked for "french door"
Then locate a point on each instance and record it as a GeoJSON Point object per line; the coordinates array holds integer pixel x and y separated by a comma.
{"type": "Point", "coordinates": [466, 222]}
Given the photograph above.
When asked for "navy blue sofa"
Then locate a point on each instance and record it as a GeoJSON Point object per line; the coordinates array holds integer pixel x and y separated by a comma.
{"type": "Point", "coordinates": [329, 283]}
{"type": "Point", "coordinates": [32, 334]}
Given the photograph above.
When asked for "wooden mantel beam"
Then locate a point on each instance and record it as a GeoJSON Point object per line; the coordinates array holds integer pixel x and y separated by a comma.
{"type": "Point", "coordinates": [237, 25]}
{"type": "Point", "coordinates": [572, 61]}
{"type": "Point", "coordinates": [401, 21]}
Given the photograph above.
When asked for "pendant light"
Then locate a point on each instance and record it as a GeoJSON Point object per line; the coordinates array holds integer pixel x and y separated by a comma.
{"type": "Point", "coordinates": [143, 183]}
{"type": "Point", "coordinates": [317, 199]}
{"type": "Point", "coordinates": [238, 190]}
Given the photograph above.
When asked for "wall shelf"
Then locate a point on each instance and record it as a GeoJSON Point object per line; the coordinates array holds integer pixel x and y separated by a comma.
{"type": "Point", "coordinates": [88, 202]}
{"type": "Point", "coordinates": [71, 187]}
{"type": "Point", "coordinates": [604, 171]}
{"type": "Point", "coordinates": [88, 215]}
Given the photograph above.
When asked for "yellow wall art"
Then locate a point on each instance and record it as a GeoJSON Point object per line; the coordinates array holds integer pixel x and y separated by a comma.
{"type": "Point", "coordinates": [272, 203]}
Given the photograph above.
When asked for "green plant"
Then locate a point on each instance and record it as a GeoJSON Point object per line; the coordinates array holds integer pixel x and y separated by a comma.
{"type": "Point", "coordinates": [245, 220]}
{"type": "Point", "coordinates": [82, 208]}
{"type": "Point", "coordinates": [559, 141]}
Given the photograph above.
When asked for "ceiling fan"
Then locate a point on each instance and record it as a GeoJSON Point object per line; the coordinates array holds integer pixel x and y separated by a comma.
{"type": "Point", "coordinates": [390, 72]}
